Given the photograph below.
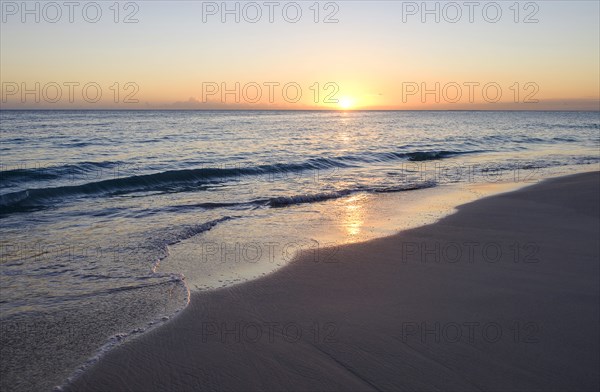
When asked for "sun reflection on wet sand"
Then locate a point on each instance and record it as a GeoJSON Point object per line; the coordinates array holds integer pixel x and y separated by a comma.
{"type": "Point", "coordinates": [353, 219]}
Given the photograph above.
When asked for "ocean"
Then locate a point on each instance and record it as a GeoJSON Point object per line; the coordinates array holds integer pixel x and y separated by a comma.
{"type": "Point", "coordinates": [109, 219]}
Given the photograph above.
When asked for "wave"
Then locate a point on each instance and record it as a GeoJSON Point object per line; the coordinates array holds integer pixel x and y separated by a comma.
{"type": "Point", "coordinates": [24, 174]}
{"type": "Point", "coordinates": [100, 169]}
{"type": "Point", "coordinates": [566, 126]}
{"type": "Point", "coordinates": [434, 155]}
{"type": "Point", "coordinates": [192, 179]}
{"type": "Point", "coordinates": [403, 188]}
{"type": "Point", "coordinates": [190, 231]}
{"type": "Point", "coordinates": [284, 201]}
{"type": "Point", "coordinates": [564, 139]}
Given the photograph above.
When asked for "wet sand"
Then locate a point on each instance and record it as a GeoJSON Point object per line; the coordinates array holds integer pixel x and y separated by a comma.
{"type": "Point", "coordinates": [502, 295]}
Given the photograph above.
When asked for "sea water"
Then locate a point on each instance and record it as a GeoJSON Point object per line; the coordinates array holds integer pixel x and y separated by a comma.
{"type": "Point", "coordinates": [109, 219]}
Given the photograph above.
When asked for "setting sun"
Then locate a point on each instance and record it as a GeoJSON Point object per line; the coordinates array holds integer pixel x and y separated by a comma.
{"type": "Point", "coordinates": [346, 103]}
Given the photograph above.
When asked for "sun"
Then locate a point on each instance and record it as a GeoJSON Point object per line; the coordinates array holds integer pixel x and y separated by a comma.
{"type": "Point", "coordinates": [346, 103]}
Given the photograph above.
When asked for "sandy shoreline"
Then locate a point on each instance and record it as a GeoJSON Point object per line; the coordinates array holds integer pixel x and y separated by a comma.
{"type": "Point", "coordinates": [502, 295]}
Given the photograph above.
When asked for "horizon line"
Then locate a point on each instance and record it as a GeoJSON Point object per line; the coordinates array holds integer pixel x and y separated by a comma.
{"type": "Point", "coordinates": [294, 110]}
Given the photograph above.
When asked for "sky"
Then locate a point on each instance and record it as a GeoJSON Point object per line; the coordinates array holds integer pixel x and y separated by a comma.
{"type": "Point", "coordinates": [381, 55]}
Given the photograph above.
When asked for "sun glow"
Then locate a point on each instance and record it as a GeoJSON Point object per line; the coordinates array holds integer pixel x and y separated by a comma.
{"type": "Point", "coordinates": [346, 103]}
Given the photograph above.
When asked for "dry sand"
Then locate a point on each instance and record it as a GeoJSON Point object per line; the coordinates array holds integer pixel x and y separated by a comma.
{"type": "Point", "coordinates": [511, 303]}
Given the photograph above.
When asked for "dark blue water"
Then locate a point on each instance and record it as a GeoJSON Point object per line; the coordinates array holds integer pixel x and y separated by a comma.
{"type": "Point", "coordinates": [91, 201]}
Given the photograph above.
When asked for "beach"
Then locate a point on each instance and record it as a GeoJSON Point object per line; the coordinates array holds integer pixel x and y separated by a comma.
{"type": "Point", "coordinates": [299, 196]}
{"type": "Point", "coordinates": [113, 221]}
{"type": "Point", "coordinates": [501, 295]}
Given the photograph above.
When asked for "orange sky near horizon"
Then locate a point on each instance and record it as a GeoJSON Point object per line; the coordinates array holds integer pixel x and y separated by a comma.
{"type": "Point", "coordinates": [374, 55]}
